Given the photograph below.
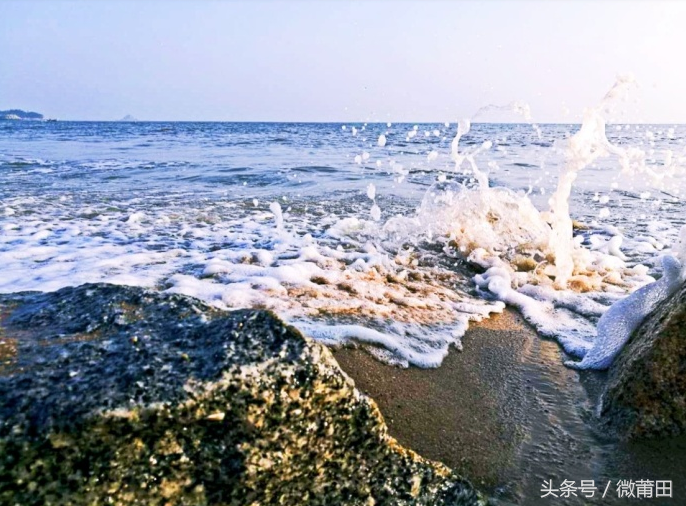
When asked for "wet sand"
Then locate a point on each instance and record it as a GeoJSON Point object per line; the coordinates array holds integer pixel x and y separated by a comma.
{"type": "Point", "coordinates": [508, 415]}
{"type": "Point", "coordinates": [461, 412]}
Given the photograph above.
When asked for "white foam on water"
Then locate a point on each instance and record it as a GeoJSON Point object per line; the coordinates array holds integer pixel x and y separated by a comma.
{"type": "Point", "coordinates": [232, 255]}
{"type": "Point", "coordinates": [411, 344]}
{"type": "Point", "coordinates": [345, 275]}
{"type": "Point", "coordinates": [563, 284]}
{"type": "Point", "coordinates": [623, 318]}
{"type": "Point", "coordinates": [504, 233]}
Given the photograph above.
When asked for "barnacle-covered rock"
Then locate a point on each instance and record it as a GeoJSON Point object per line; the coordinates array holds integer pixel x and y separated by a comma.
{"type": "Point", "coordinates": [119, 395]}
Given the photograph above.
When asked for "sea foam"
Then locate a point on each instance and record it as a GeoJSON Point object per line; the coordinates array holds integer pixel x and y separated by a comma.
{"type": "Point", "coordinates": [366, 266]}
{"type": "Point", "coordinates": [620, 321]}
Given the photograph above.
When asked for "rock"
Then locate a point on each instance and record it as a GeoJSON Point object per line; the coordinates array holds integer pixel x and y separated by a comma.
{"type": "Point", "coordinates": [645, 395]}
{"type": "Point", "coordinates": [577, 225]}
{"type": "Point", "coordinates": [119, 395]}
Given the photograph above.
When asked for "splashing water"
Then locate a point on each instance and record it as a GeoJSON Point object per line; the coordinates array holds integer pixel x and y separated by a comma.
{"type": "Point", "coordinates": [532, 258]}
{"type": "Point", "coordinates": [401, 282]}
{"type": "Point", "coordinates": [463, 128]}
{"type": "Point", "coordinates": [585, 146]}
{"type": "Point", "coordinates": [275, 208]}
{"type": "Point", "coordinates": [623, 318]}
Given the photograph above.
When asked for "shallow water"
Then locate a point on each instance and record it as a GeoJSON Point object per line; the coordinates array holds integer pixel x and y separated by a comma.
{"type": "Point", "coordinates": [324, 223]}
{"type": "Point", "coordinates": [562, 444]}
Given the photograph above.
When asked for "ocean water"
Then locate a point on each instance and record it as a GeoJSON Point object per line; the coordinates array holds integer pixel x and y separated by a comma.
{"type": "Point", "coordinates": [396, 236]}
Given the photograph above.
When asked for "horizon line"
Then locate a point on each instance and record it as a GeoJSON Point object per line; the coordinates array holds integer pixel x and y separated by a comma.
{"type": "Point", "coordinates": [305, 122]}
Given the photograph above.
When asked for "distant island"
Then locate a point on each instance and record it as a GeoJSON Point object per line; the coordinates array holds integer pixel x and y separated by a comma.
{"type": "Point", "coordinates": [128, 117]}
{"type": "Point", "coordinates": [19, 114]}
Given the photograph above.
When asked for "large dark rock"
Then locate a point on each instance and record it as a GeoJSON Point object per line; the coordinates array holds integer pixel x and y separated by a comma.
{"type": "Point", "coordinates": [645, 395]}
{"type": "Point", "coordinates": [118, 395]}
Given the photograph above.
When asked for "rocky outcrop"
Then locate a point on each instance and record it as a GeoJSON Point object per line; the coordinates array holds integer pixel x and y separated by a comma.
{"type": "Point", "coordinates": [645, 395]}
{"type": "Point", "coordinates": [118, 395]}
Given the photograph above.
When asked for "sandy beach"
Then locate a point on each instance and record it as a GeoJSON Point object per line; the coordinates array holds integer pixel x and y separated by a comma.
{"type": "Point", "coordinates": [461, 412]}
{"type": "Point", "coordinates": [505, 413]}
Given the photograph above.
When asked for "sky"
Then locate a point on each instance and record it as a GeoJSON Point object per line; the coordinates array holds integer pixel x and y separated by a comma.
{"type": "Point", "coordinates": [340, 60]}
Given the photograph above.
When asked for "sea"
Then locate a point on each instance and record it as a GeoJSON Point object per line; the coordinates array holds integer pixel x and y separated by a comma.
{"type": "Point", "coordinates": [392, 236]}
{"type": "Point", "coordinates": [355, 231]}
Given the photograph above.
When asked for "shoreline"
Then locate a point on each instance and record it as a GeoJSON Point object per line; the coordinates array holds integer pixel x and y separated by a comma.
{"type": "Point", "coordinates": [460, 413]}
{"type": "Point", "coordinates": [507, 414]}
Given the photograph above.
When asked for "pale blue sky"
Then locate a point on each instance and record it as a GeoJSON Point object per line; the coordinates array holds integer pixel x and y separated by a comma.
{"type": "Point", "coordinates": [338, 60]}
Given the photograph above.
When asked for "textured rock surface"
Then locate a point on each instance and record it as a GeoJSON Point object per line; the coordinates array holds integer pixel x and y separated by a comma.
{"type": "Point", "coordinates": [645, 395]}
{"type": "Point", "coordinates": [117, 395]}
